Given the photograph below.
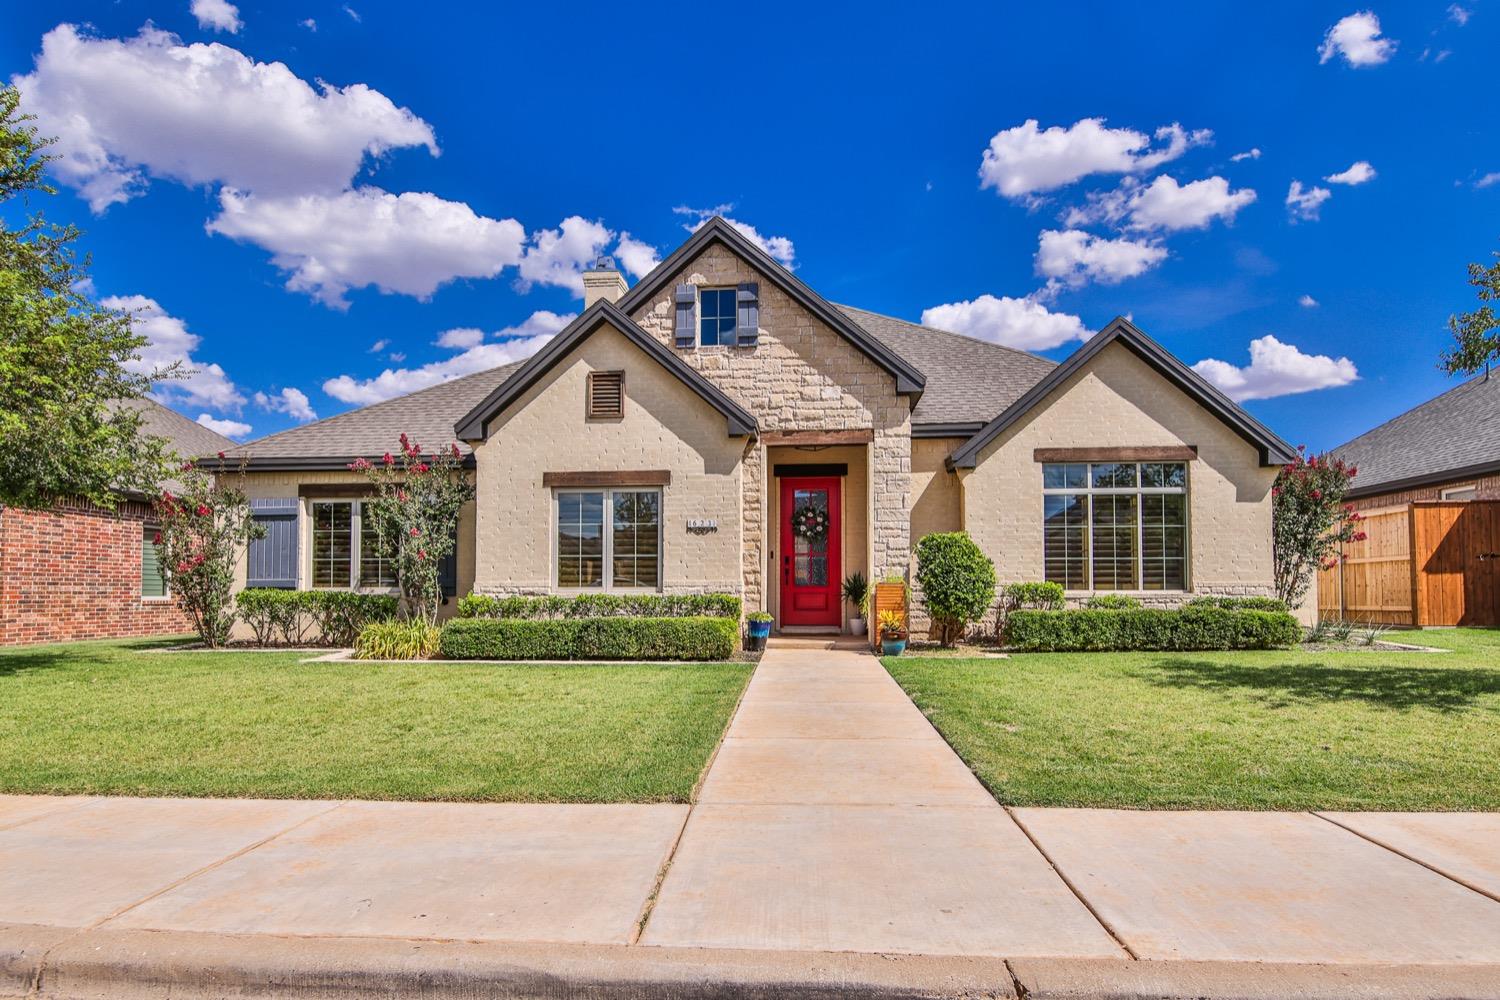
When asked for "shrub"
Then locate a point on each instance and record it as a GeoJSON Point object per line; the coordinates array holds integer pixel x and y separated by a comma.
{"type": "Point", "coordinates": [287, 616]}
{"type": "Point", "coordinates": [202, 534]}
{"type": "Point", "coordinates": [602, 606]}
{"type": "Point", "coordinates": [1150, 629]}
{"type": "Point", "coordinates": [1112, 602]}
{"type": "Point", "coordinates": [413, 639]}
{"type": "Point", "coordinates": [257, 607]}
{"type": "Point", "coordinates": [957, 581]}
{"type": "Point", "coordinates": [1034, 596]}
{"type": "Point", "coordinates": [342, 614]}
{"type": "Point", "coordinates": [1237, 603]}
{"type": "Point", "coordinates": [611, 638]}
{"type": "Point", "coordinates": [856, 590]}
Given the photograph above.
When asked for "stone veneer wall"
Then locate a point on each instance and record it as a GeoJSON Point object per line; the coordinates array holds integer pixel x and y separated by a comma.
{"type": "Point", "coordinates": [74, 572]}
{"type": "Point", "coordinates": [801, 376]}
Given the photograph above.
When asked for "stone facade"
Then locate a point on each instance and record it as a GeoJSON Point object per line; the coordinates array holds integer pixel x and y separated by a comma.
{"type": "Point", "coordinates": [74, 572]}
{"type": "Point", "coordinates": [802, 375]}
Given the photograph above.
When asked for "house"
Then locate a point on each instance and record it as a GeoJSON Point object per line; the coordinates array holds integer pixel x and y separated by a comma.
{"type": "Point", "coordinates": [79, 571]}
{"type": "Point", "coordinates": [1446, 449]}
{"type": "Point", "coordinates": [720, 426]}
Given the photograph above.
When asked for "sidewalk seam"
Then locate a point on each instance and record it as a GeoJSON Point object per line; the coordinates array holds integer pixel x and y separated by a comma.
{"type": "Point", "coordinates": [1078, 893]}
{"type": "Point", "coordinates": [1402, 854]}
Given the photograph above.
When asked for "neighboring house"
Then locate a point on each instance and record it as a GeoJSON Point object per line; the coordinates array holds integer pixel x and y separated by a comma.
{"type": "Point", "coordinates": [79, 571]}
{"type": "Point", "coordinates": [1446, 449]}
{"type": "Point", "coordinates": [722, 427]}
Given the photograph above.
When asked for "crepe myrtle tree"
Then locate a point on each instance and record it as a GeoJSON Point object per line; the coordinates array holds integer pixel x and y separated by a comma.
{"type": "Point", "coordinates": [1310, 521]}
{"type": "Point", "coordinates": [204, 528]}
{"type": "Point", "coordinates": [415, 509]}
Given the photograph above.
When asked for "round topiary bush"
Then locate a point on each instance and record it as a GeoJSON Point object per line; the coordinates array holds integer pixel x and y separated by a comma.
{"type": "Point", "coordinates": [957, 581]}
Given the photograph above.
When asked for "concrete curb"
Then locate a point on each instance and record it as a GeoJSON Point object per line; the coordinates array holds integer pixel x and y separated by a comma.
{"type": "Point", "coordinates": [137, 965]}
{"type": "Point", "coordinates": [1097, 979]}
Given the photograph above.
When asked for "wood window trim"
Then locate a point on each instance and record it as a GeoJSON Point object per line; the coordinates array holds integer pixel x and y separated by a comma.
{"type": "Point", "coordinates": [1144, 453]}
{"type": "Point", "coordinates": [815, 439]}
{"type": "Point", "coordinates": [334, 491]}
{"type": "Point", "coordinates": [607, 552]}
{"type": "Point", "coordinates": [592, 408]}
{"type": "Point", "coordinates": [636, 477]}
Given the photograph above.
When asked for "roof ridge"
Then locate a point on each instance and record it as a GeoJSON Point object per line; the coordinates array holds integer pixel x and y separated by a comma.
{"type": "Point", "coordinates": [949, 333]}
{"type": "Point", "coordinates": [1476, 380]}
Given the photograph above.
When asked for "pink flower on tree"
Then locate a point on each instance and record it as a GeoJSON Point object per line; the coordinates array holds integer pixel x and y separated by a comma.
{"type": "Point", "coordinates": [387, 459]}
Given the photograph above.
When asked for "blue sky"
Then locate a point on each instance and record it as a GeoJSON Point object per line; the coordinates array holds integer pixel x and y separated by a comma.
{"type": "Point", "coordinates": [307, 248]}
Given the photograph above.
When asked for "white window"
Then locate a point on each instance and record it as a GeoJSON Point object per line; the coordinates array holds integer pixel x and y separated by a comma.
{"type": "Point", "coordinates": [1466, 492]}
{"type": "Point", "coordinates": [609, 539]}
{"type": "Point", "coordinates": [1115, 525]}
{"type": "Point", "coordinates": [346, 548]}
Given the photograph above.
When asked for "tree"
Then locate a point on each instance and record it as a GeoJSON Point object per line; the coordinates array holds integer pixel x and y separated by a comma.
{"type": "Point", "coordinates": [63, 358]}
{"type": "Point", "coordinates": [1476, 335]}
{"type": "Point", "coordinates": [957, 581]}
{"type": "Point", "coordinates": [1310, 522]}
{"type": "Point", "coordinates": [416, 510]}
{"type": "Point", "coordinates": [203, 531]}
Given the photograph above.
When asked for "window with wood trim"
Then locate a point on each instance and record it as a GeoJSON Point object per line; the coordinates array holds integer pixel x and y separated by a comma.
{"type": "Point", "coordinates": [609, 539]}
{"type": "Point", "coordinates": [1115, 525]}
{"type": "Point", "coordinates": [606, 392]}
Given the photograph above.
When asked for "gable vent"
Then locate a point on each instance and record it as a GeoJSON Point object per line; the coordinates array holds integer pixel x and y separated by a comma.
{"type": "Point", "coordinates": [606, 394]}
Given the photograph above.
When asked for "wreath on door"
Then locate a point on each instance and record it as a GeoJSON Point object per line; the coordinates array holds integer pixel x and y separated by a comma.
{"type": "Point", "coordinates": [810, 521]}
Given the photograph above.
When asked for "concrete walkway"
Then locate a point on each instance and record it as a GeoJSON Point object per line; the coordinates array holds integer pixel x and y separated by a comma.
{"type": "Point", "coordinates": [834, 822]}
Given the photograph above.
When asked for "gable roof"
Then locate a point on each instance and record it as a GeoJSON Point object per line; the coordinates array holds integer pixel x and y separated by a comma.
{"type": "Point", "coordinates": [968, 380]}
{"type": "Point", "coordinates": [909, 380]}
{"type": "Point", "coordinates": [472, 425]}
{"type": "Point", "coordinates": [1273, 450]}
{"type": "Point", "coordinates": [1448, 437]}
{"type": "Point", "coordinates": [188, 438]}
{"type": "Point", "coordinates": [370, 431]}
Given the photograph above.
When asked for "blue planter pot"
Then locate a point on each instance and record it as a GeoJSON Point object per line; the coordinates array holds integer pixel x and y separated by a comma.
{"type": "Point", "coordinates": [892, 647]}
{"type": "Point", "coordinates": [759, 632]}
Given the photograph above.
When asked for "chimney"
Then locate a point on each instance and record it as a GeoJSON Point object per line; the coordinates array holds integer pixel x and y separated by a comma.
{"type": "Point", "coordinates": [603, 281]}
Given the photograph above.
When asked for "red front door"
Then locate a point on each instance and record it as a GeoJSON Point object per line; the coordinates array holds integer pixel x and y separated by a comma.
{"type": "Point", "coordinates": [810, 534]}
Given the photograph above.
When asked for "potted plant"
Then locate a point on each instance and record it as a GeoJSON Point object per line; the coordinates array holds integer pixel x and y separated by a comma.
{"type": "Point", "coordinates": [760, 630]}
{"type": "Point", "coordinates": [892, 633]}
{"type": "Point", "coordinates": [857, 592]}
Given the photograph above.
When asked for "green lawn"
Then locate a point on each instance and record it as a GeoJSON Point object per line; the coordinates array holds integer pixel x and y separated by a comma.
{"type": "Point", "coordinates": [1249, 730]}
{"type": "Point", "coordinates": [125, 718]}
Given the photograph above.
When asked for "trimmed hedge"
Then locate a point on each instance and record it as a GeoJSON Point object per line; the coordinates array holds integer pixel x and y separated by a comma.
{"type": "Point", "coordinates": [1112, 602]}
{"type": "Point", "coordinates": [619, 638]}
{"type": "Point", "coordinates": [289, 617]}
{"type": "Point", "coordinates": [1196, 628]}
{"type": "Point", "coordinates": [1237, 603]}
{"type": "Point", "coordinates": [601, 606]}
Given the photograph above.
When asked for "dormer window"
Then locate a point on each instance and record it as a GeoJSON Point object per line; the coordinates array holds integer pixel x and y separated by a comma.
{"type": "Point", "coordinates": [716, 310]}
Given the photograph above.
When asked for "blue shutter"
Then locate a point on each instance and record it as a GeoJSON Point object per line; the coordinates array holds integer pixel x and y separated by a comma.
{"type": "Point", "coordinates": [684, 298]}
{"type": "Point", "coordinates": [747, 314]}
{"type": "Point", "coordinates": [448, 570]}
{"type": "Point", "coordinates": [273, 559]}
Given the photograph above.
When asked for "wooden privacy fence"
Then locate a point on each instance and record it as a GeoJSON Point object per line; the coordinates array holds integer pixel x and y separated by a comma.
{"type": "Point", "coordinates": [1423, 563]}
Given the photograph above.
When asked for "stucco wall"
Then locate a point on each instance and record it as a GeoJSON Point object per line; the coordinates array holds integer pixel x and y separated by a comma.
{"type": "Point", "coordinates": [1118, 401]}
{"type": "Point", "coordinates": [666, 426]}
{"type": "Point", "coordinates": [801, 376]}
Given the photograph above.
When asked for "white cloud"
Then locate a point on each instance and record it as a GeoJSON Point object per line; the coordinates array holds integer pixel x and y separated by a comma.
{"type": "Point", "coordinates": [558, 256]}
{"type": "Point", "coordinates": [1358, 172]}
{"type": "Point", "coordinates": [1357, 38]}
{"type": "Point", "coordinates": [1249, 154]}
{"type": "Point", "coordinates": [1025, 160]}
{"type": "Point", "coordinates": [1488, 180]}
{"type": "Point", "coordinates": [1022, 323]}
{"type": "Point", "coordinates": [169, 342]}
{"type": "Point", "coordinates": [353, 14]}
{"type": "Point", "coordinates": [778, 247]}
{"type": "Point", "coordinates": [637, 258]}
{"type": "Point", "coordinates": [1074, 257]}
{"type": "Point", "coordinates": [1459, 15]}
{"type": "Point", "coordinates": [309, 24]}
{"type": "Point", "coordinates": [292, 402]}
{"type": "Point", "coordinates": [460, 337]}
{"type": "Point", "coordinates": [1305, 203]}
{"type": "Point", "coordinates": [510, 344]}
{"type": "Point", "coordinates": [409, 243]}
{"type": "Point", "coordinates": [228, 428]}
{"type": "Point", "coordinates": [1307, 302]}
{"type": "Point", "coordinates": [1164, 204]}
{"type": "Point", "coordinates": [203, 113]}
{"type": "Point", "coordinates": [220, 15]}
{"type": "Point", "coordinates": [1277, 369]}
{"type": "Point", "coordinates": [379, 346]}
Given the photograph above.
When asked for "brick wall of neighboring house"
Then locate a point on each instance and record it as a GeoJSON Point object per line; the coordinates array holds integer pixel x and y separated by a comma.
{"type": "Point", "coordinates": [1488, 487]}
{"type": "Point", "coordinates": [74, 572]}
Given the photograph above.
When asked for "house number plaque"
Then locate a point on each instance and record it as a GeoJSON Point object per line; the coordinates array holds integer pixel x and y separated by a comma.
{"type": "Point", "coordinates": [702, 526]}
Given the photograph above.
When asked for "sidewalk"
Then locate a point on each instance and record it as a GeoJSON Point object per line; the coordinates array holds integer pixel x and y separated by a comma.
{"type": "Point", "coordinates": [838, 847]}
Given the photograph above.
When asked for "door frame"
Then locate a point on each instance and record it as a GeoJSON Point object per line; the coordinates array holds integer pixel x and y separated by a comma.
{"type": "Point", "coordinates": [787, 487]}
